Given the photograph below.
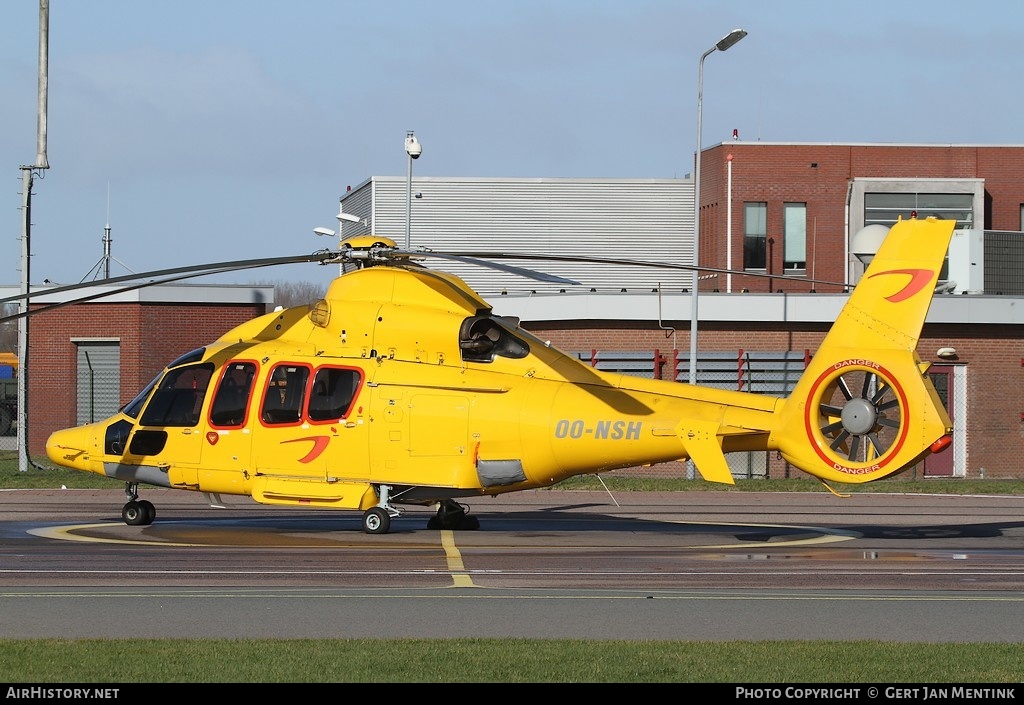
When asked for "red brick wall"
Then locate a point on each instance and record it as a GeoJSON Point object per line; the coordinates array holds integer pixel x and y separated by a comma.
{"type": "Point", "coordinates": [777, 174]}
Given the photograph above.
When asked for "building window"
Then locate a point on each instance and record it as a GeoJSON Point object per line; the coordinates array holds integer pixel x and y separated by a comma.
{"type": "Point", "coordinates": [886, 208]}
{"type": "Point", "coordinates": [794, 234]}
{"type": "Point", "coordinates": [1021, 226]}
{"type": "Point", "coordinates": [755, 235]}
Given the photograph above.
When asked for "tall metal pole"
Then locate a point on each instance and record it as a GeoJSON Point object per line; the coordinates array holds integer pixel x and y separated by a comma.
{"type": "Point", "coordinates": [722, 44]}
{"type": "Point", "coordinates": [728, 226]}
{"type": "Point", "coordinates": [408, 203]}
{"type": "Point", "coordinates": [26, 226]}
{"type": "Point", "coordinates": [414, 150]}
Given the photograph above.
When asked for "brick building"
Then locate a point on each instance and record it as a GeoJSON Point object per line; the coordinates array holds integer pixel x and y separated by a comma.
{"type": "Point", "coordinates": [794, 209]}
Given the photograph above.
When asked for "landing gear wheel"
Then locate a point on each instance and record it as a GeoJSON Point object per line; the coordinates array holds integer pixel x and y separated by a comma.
{"type": "Point", "coordinates": [452, 515]}
{"type": "Point", "coordinates": [148, 511]}
{"type": "Point", "coordinates": [135, 514]}
{"type": "Point", "coordinates": [376, 521]}
{"type": "Point", "coordinates": [861, 415]}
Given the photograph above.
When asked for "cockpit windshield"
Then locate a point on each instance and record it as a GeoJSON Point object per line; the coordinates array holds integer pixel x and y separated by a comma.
{"type": "Point", "coordinates": [133, 407]}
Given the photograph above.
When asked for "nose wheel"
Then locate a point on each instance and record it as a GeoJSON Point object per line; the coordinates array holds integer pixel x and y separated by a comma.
{"type": "Point", "coordinates": [376, 520]}
{"type": "Point", "coordinates": [137, 512]}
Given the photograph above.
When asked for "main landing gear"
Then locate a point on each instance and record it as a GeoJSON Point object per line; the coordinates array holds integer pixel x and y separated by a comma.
{"type": "Point", "coordinates": [137, 512]}
{"type": "Point", "coordinates": [452, 515]}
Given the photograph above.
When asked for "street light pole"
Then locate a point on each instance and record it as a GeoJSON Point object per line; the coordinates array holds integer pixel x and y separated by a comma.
{"type": "Point", "coordinates": [722, 44]}
{"type": "Point", "coordinates": [414, 150]}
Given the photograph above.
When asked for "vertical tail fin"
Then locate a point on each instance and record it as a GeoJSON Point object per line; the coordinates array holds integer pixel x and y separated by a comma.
{"type": "Point", "coordinates": [865, 407]}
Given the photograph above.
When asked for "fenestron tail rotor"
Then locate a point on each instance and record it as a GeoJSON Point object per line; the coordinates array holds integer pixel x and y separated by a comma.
{"type": "Point", "coordinates": [860, 415]}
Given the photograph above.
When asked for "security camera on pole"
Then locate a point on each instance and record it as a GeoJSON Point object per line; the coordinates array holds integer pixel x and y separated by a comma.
{"type": "Point", "coordinates": [414, 150]}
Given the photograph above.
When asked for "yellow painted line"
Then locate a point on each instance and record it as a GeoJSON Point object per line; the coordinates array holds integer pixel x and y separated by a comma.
{"type": "Point", "coordinates": [454, 558]}
{"type": "Point", "coordinates": [65, 533]}
{"type": "Point", "coordinates": [828, 535]}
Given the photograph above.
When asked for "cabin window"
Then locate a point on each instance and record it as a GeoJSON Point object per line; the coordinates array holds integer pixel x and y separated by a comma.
{"type": "Point", "coordinates": [286, 394]}
{"type": "Point", "coordinates": [178, 398]}
{"type": "Point", "coordinates": [334, 388]}
{"type": "Point", "coordinates": [231, 400]}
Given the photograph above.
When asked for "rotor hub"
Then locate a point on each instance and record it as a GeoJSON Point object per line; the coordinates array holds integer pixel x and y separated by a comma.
{"type": "Point", "coordinates": [859, 416]}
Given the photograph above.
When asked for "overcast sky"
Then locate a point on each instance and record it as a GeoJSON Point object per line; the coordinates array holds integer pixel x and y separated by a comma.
{"type": "Point", "coordinates": [226, 129]}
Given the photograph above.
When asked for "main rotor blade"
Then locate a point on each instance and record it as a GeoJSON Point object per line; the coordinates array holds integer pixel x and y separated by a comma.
{"type": "Point", "coordinates": [528, 273]}
{"type": "Point", "coordinates": [587, 259]}
{"type": "Point", "coordinates": [195, 270]}
{"type": "Point", "coordinates": [323, 257]}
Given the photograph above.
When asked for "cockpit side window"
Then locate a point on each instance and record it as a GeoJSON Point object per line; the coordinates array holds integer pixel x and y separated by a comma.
{"type": "Point", "coordinates": [178, 397]}
{"type": "Point", "coordinates": [482, 338]}
{"type": "Point", "coordinates": [230, 404]}
{"type": "Point", "coordinates": [286, 394]}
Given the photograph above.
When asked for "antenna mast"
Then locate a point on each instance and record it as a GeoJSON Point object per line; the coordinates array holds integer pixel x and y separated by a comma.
{"type": "Point", "coordinates": [104, 263]}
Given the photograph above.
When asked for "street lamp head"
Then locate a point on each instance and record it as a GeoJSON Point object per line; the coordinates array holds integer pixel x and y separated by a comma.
{"type": "Point", "coordinates": [730, 39]}
{"type": "Point", "coordinates": [412, 146]}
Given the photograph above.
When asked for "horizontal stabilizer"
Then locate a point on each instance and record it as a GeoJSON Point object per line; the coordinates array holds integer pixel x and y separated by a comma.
{"type": "Point", "coordinates": [700, 440]}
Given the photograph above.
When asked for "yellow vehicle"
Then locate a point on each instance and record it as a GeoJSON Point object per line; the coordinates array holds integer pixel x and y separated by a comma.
{"type": "Point", "coordinates": [8, 391]}
{"type": "Point", "coordinates": [401, 387]}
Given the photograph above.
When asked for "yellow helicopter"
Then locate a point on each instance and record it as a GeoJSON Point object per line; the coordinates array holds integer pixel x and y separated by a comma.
{"type": "Point", "coordinates": [402, 387]}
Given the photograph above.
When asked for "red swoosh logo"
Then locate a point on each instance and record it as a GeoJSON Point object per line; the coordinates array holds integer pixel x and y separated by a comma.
{"type": "Point", "coordinates": [319, 444]}
{"type": "Point", "coordinates": [919, 278]}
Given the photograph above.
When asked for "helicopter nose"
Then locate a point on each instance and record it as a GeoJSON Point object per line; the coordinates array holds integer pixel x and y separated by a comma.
{"type": "Point", "coordinates": [72, 447]}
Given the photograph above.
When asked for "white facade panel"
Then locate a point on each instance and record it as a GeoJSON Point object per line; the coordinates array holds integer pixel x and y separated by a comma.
{"type": "Point", "coordinates": [639, 219]}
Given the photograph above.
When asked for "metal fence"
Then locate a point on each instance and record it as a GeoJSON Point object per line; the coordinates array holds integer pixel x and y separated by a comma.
{"type": "Point", "coordinates": [772, 373]}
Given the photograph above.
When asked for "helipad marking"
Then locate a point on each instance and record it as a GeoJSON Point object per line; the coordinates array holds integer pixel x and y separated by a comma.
{"type": "Point", "coordinates": [454, 558]}
{"type": "Point", "coordinates": [64, 533]}
{"type": "Point", "coordinates": [829, 535]}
